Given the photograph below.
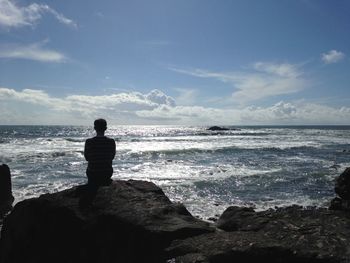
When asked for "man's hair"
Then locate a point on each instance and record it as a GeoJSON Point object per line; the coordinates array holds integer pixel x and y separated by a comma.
{"type": "Point", "coordinates": [100, 125]}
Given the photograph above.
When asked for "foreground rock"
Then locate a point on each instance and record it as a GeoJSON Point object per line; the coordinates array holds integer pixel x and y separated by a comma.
{"type": "Point", "coordinates": [342, 189]}
{"type": "Point", "coordinates": [131, 221]}
{"type": "Point", "coordinates": [342, 184]}
{"type": "Point", "coordinates": [288, 234]}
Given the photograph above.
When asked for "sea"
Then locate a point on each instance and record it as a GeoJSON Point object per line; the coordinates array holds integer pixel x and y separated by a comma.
{"type": "Point", "coordinates": [257, 166]}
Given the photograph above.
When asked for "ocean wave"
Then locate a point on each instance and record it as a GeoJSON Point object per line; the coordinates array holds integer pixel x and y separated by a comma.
{"type": "Point", "coordinates": [4, 159]}
{"type": "Point", "coordinates": [232, 133]}
{"type": "Point", "coordinates": [47, 155]}
{"type": "Point", "coordinates": [191, 136]}
{"type": "Point", "coordinates": [224, 150]}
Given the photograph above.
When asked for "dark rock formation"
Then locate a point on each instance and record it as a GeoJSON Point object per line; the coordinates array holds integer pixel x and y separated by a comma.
{"type": "Point", "coordinates": [342, 189]}
{"type": "Point", "coordinates": [130, 221]}
{"type": "Point", "coordinates": [342, 185]}
{"type": "Point", "coordinates": [288, 234]}
{"type": "Point", "coordinates": [133, 221]}
{"type": "Point", "coordinates": [240, 218]}
{"type": "Point", "coordinates": [6, 197]}
{"type": "Point", "coordinates": [217, 128]}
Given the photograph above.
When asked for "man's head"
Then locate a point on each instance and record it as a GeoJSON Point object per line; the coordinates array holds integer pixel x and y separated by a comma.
{"type": "Point", "coordinates": [100, 125]}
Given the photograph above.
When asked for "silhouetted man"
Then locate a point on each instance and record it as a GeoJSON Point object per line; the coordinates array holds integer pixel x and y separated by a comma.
{"type": "Point", "coordinates": [99, 152]}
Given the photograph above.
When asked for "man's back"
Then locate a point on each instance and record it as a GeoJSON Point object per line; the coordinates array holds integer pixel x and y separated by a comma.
{"type": "Point", "coordinates": [99, 152]}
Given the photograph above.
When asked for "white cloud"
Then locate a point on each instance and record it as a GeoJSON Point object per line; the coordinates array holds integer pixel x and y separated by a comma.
{"type": "Point", "coordinates": [159, 97]}
{"type": "Point", "coordinates": [34, 51]}
{"type": "Point", "coordinates": [30, 106]}
{"type": "Point", "coordinates": [261, 81]}
{"type": "Point", "coordinates": [12, 15]}
{"type": "Point", "coordinates": [283, 70]}
{"type": "Point", "coordinates": [332, 56]}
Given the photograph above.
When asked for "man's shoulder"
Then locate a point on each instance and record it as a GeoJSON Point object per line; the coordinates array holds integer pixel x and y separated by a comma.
{"type": "Point", "coordinates": [110, 140]}
{"type": "Point", "coordinates": [88, 140]}
{"type": "Point", "coordinates": [99, 139]}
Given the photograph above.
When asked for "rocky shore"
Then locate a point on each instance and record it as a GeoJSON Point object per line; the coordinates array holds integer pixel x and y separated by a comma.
{"type": "Point", "coordinates": [134, 221]}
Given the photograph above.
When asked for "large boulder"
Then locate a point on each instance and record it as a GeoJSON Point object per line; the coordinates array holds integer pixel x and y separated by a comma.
{"type": "Point", "coordinates": [342, 189]}
{"type": "Point", "coordinates": [292, 234]}
{"type": "Point", "coordinates": [130, 221]}
{"type": "Point", "coordinates": [342, 184]}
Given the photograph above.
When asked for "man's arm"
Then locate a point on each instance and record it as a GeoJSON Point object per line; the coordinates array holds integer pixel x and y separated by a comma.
{"type": "Point", "coordinates": [86, 150]}
{"type": "Point", "coordinates": [113, 150]}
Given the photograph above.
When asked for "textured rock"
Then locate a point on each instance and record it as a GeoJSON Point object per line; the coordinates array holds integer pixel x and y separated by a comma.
{"type": "Point", "coordinates": [133, 221]}
{"type": "Point", "coordinates": [342, 184]}
{"type": "Point", "coordinates": [130, 221]}
{"type": "Point", "coordinates": [342, 188]}
{"type": "Point", "coordinates": [289, 234]}
{"type": "Point", "coordinates": [6, 197]}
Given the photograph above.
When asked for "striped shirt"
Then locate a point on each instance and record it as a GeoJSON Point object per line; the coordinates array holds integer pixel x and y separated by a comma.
{"type": "Point", "coordinates": [99, 152]}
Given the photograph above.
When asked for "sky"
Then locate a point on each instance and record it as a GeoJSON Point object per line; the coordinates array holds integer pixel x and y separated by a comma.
{"type": "Point", "coordinates": [175, 62]}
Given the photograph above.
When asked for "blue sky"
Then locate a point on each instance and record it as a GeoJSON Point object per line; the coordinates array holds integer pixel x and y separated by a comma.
{"type": "Point", "coordinates": [228, 62]}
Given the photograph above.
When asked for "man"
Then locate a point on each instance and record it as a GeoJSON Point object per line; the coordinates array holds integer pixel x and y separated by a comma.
{"type": "Point", "coordinates": [99, 151]}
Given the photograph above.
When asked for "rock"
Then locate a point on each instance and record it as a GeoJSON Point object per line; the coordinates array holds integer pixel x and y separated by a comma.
{"type": "Point", "coordinates": [130, 221]}
{"type": "Point", "coordinates": [217, 128]}
{"type": "Point", "coordinates": [222, 247]}
{"type": "Point", "coordinates": [133, 221]}
{"type": "Point", "coordinates": [339, 204]}
{"type": "Point", "coordinates": [240, 218]}
{"type": "Point", "coordinates": [6, 197]}
{"type": "Point", "coordinates": [342, 184]}
{"type": "Point", "coordinates": [291, 234]}
{"type": "Point", "coordinates": [342, 188]}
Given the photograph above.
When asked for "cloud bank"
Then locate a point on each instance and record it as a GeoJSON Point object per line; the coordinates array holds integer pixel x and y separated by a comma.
{"type": "Point", "coordinates": [31, 106]}
{"type": "Point", "coordinates": [14, 16]}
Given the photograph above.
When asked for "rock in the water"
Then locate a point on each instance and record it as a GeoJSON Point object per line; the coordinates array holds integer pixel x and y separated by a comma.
{"type": "Point", "coordinates": [130, 221]}
{"type": "Point", "coordinates": [217, 128]}
{"type": "Point", "coordinates": [342, 184]}
{"type": "Point", "coordinates": [291, 234]}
